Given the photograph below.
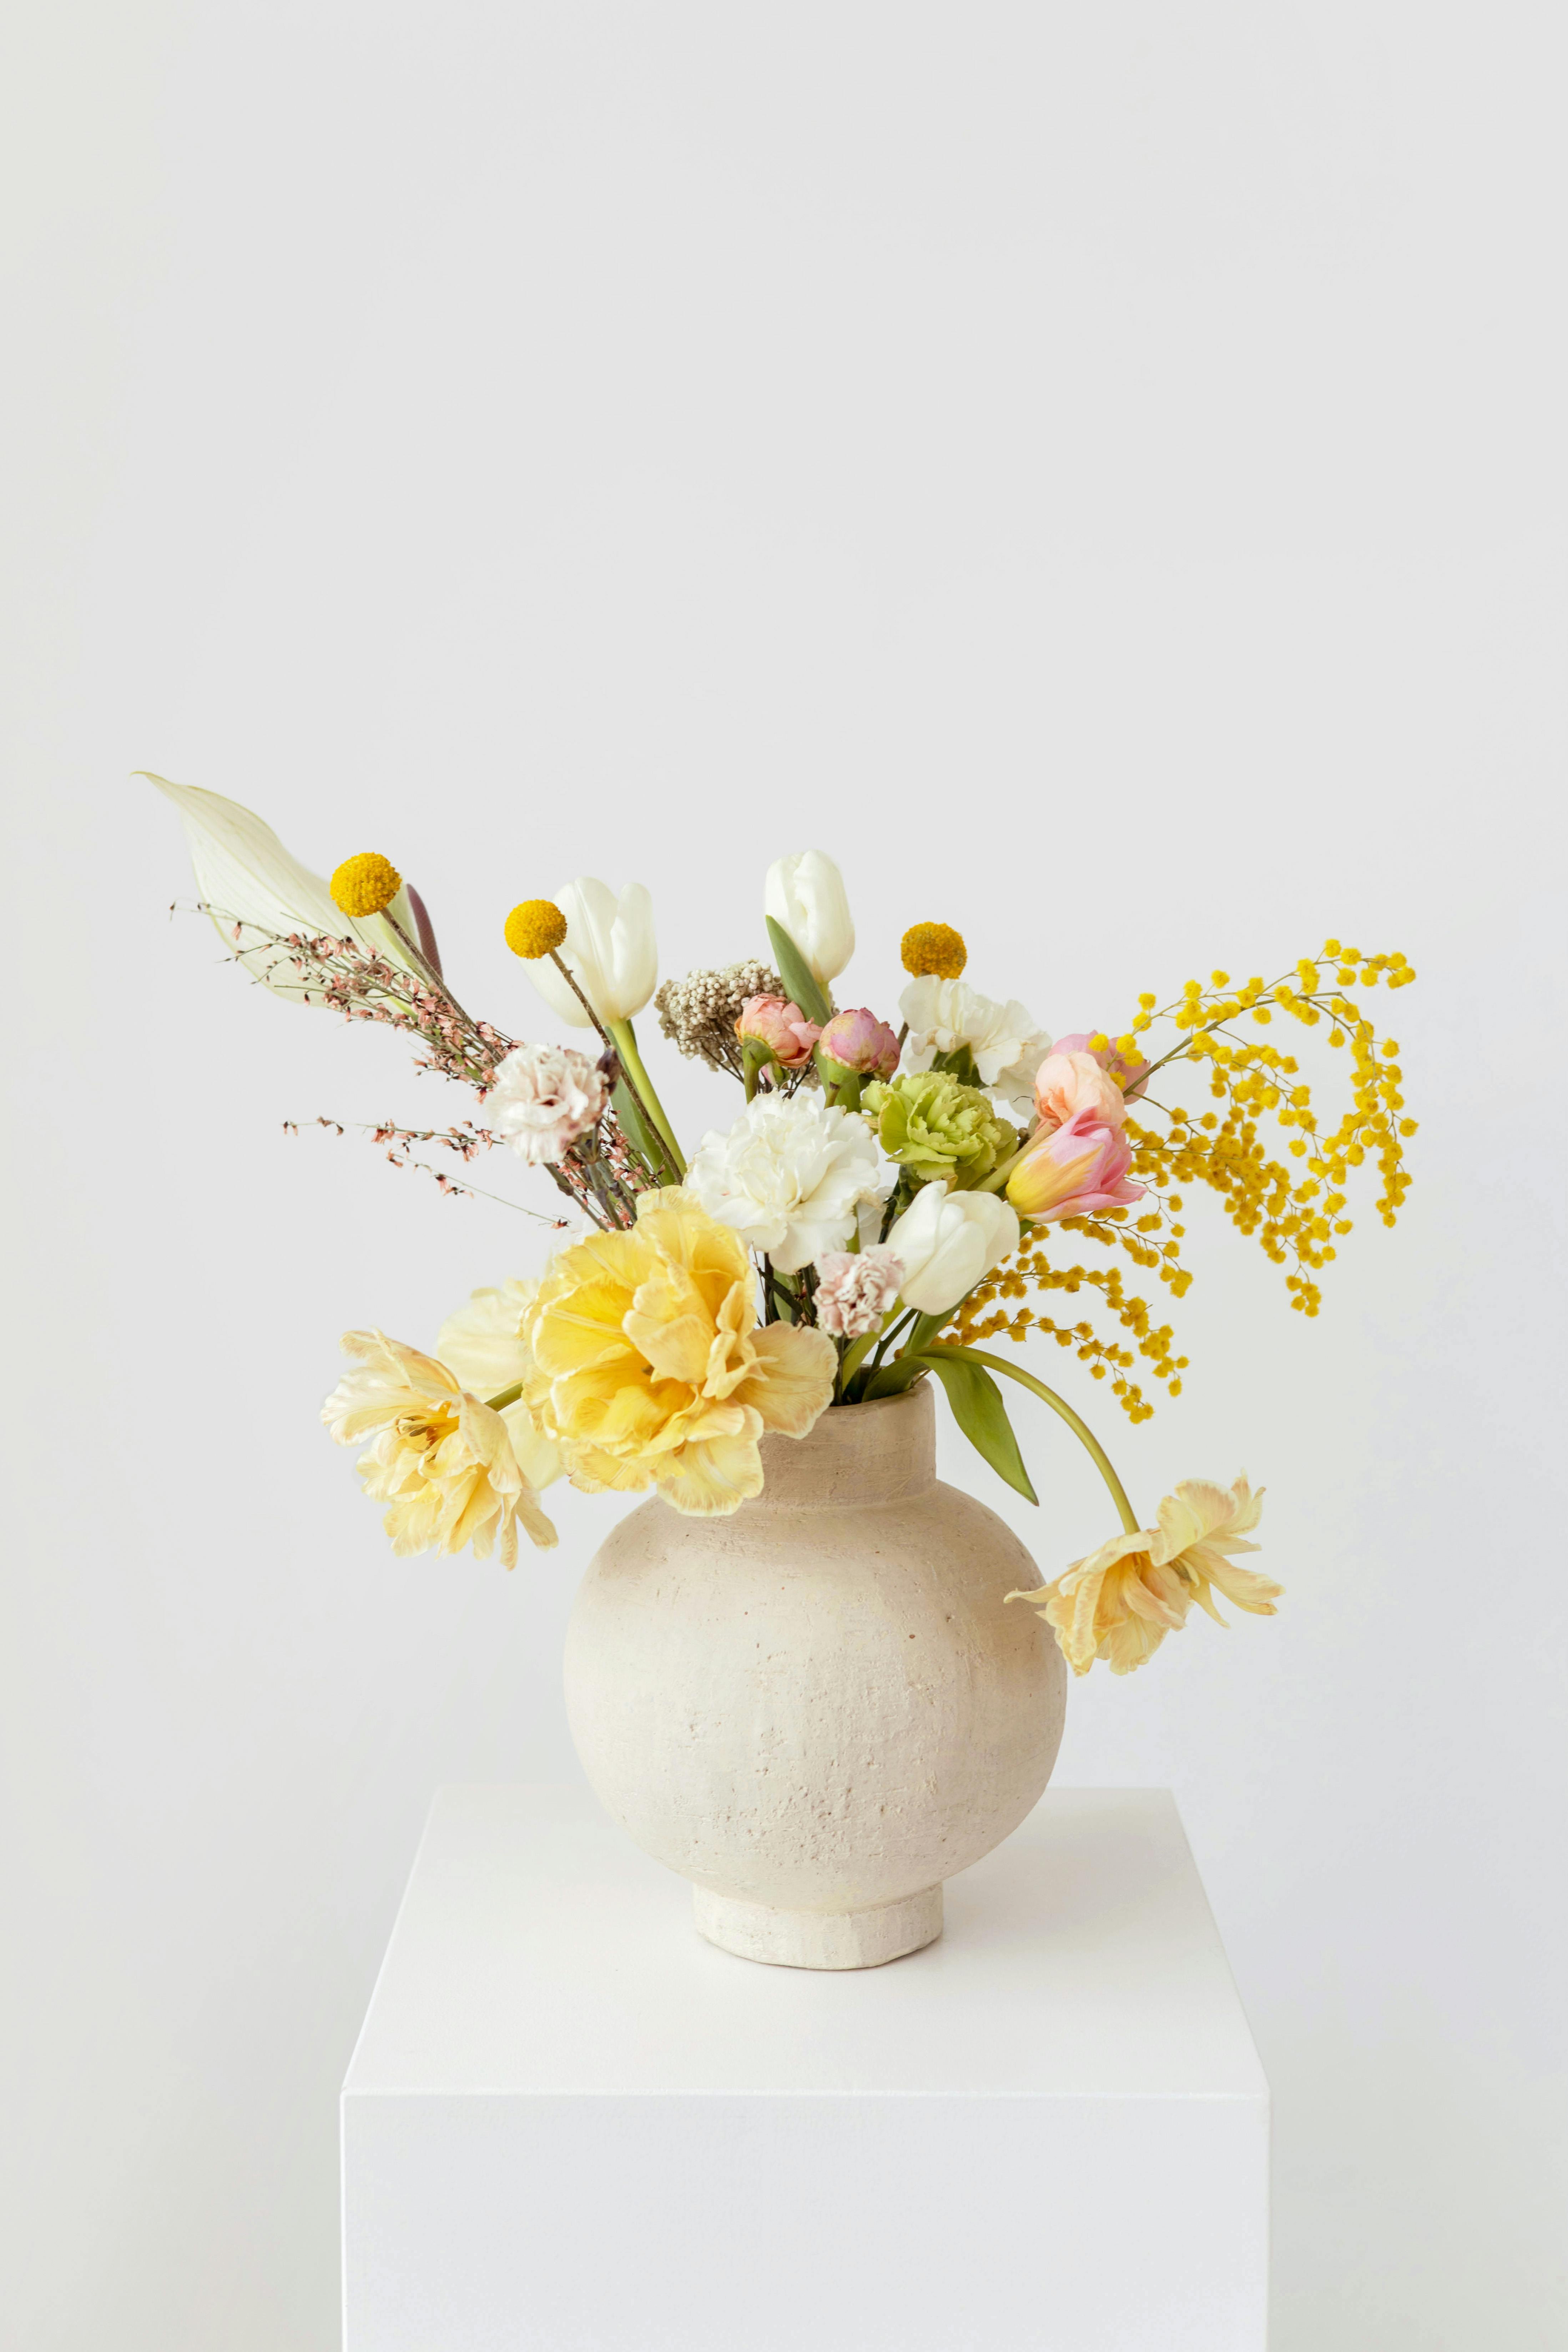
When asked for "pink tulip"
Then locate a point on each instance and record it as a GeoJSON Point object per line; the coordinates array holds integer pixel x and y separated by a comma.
{"type": "Point", "coordinates": [780, 1025]}
{"type": "Point", "coordinates": [858, 1041]}
{"type": "Point", "coordinates": [1131, 1076]}
{"type": "Point", "coordinates": [1072, 1170]}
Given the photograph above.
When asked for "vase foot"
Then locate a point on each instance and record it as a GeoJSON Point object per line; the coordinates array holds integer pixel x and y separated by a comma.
{"type": "Point", "coordinates": [820, 1939]}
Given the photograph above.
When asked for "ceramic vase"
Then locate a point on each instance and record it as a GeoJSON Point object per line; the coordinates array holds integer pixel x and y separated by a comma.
{"type": "Point", "coordinates": [818, 1708]}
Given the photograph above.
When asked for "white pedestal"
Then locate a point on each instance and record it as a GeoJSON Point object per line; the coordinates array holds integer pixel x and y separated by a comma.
{"type": "Point", "coordinates": [573, 2126]}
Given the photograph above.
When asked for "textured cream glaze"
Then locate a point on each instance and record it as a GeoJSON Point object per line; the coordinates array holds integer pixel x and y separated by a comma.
{"type": "Point", "coordinates": [819, 1706]}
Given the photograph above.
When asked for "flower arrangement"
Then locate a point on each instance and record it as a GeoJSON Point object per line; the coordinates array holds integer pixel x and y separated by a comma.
{"type": "Point", "coordinates": [879, 1203]}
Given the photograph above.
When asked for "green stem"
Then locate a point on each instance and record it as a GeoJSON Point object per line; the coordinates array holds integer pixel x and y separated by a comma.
{"type": "Point", "coordinates": [755, 1058]}
{"type": "Point", "coordinates": [998, 1176]}
{"type": "Point", "coordinates": [890, 1329]}
{"type": "Point", "coordinates": [856, 1353]}
{"type": "Point", "coordinates": [642, 1087]}
{"type": "Point", "coordinates": [506, 1396]}
{"type": "Point", "coordinates": [1080, 1430]}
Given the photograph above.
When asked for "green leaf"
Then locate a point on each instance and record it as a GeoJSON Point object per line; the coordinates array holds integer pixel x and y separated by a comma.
{"type": "Point", "coordinates": [960, 1065]}
{"type": "Point", "coordinates": [893, 1379]}
{"type": "Point", "coordinates": [643, 1139]}
{"type": "Point", "coordinates": [978, 1409]}
{"type": "Point", "coordinates": [797, 975]}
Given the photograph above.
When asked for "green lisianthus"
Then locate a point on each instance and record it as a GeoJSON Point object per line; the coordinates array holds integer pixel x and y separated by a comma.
{"type": "Point", "coordinates": [939, 1129]}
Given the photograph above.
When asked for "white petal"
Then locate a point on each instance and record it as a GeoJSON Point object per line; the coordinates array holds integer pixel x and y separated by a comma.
{"type": "Point", "coordinates": [246, 876]}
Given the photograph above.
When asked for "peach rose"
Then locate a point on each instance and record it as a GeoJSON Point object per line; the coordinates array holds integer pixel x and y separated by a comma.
{"type": "Point", "coordinates": [780, 1025]}
{"type": "Point", "coordinates": [1131, 1076]}
{"type": "Point", "coordinates": [1072, 1085]}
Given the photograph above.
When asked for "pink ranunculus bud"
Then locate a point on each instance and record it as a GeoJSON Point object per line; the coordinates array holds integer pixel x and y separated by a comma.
{"type": "Point", "coordinates": [854, 1292]}
{"type": "Point", "coordinates": [544, 1098]}
{"type": "Point", "coordinates": [1072, 1170]}
{"type": "Point", "coordinates": [858, 1041]}
{"type": "Point", "coordinates": [1131, 1076]}
{"type": "Point", "coordinates": [1068, 1085]}
{"type": "Point", "coordinates": [780, 1025]}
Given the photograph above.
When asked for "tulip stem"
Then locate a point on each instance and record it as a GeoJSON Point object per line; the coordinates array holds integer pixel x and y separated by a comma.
{"type": "Point", "coordinates": [890, 1329]}
{"type": "Point", "coordinates": [998, 1176]}
{"type": "Point", "coordinates": [624, 1047]}
{"type": "Point", "coordinates": [641, 1084]}
{"type": "Point", "coordinates": [570, 977]}
{"type": "Point", "coordinates": [506, 1396]}
{"type": "Point", "coordinates": [1079, 1429]}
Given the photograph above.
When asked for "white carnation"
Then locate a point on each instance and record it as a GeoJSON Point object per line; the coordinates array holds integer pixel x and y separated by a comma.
{"type": "Point", "coordinates": [789, 1177]}
{"type": "Point", "coordinates": [944, 1016]}
{"type": "Point", "coordinates": [543, 1098]}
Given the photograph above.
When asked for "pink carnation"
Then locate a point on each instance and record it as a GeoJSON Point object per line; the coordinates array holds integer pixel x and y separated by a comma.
{"type": "Point", "coordinates": [543, 1098]}
{"type": "Point", "coordinates": [780, 1025]}
{"type": "Point", "coordinates": [855, 1290]}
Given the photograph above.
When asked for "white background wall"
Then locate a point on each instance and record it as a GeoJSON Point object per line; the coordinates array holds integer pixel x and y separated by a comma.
{"type": "Point", "coordinates": [1099, 472]}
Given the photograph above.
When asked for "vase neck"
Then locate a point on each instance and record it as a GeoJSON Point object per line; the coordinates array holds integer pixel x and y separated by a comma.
{"type": "Point", "coordinates": [856, 1454]}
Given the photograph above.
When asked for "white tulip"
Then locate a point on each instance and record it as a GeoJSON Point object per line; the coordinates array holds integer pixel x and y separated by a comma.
{"type": "Point", "coordinates": [805, 897]}
{"type": "Point", "coordinates": [246, 876]}
{"type": "Point", "coordinates": [949, 1242]}
{"type": "Point", "coordinates": [609, 948]}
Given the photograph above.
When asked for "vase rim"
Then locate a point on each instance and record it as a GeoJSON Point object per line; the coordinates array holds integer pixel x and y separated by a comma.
{"type": "Point", "coordinates": [880, 1452]}
{"type": "Point", "coordinates": [862, 1404]}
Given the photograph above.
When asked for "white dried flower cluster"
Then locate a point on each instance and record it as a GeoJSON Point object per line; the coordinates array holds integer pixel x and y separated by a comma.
{"type": "Point", "coordinates": [698, 1014]}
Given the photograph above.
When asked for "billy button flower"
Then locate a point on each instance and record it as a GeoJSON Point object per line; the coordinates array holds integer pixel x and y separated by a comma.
{"type": "Point", "coordinates": [365, 885]}
{"type": "Point", "coordinates": [369, 889]}
{"type": "Point", "coordinates": [934, 948]}
{"type": "Point", "coordinates": [616, 963]}
{"type": "Point", "coordinates": [535, 929]}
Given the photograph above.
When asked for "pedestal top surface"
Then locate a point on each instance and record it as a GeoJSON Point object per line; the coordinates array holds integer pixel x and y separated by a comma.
{"type": "Point", "coordinates": [538, 1951]}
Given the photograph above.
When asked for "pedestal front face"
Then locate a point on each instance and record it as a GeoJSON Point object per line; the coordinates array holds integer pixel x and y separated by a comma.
{"type": "Point", "coordinates": [572, 2125]}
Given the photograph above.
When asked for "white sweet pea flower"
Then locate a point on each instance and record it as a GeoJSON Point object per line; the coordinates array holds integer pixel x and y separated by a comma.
{"type": "Point", "coordinates": [805, 897]}
{"type": "Point", "coordinates": [949, 1242]}
{"type": "Point", "coordinates": [944, 1016]}
{"type": "Point", "coordinates": [610, 948]}
{"type": "Point", "coordinates": [246, 876]}
{"type": "Point", "coordinates": [789, 1177]}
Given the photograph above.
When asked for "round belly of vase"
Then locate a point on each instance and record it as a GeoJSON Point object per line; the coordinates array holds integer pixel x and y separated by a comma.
{"type": "Point", "coordinates": [818, 1708]}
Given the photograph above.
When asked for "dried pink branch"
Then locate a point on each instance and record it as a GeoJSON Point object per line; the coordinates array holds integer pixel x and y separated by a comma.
{"type": "Point", "coordinates": [600, 1173]}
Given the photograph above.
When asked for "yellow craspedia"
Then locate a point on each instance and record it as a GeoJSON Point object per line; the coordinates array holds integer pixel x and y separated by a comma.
{"type": "Point", "coordinates": [365, 883]}
{"type": "Point", "coordinates": [534, 928]}
{"type": "Point", "coordinates": [933, 948]}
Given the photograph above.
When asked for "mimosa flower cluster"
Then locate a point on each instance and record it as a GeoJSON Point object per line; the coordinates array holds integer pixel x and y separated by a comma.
{"type": "Point", "coordinates": [887, 1188]}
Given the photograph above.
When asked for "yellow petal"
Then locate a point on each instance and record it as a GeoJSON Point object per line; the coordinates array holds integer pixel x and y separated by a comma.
{"type": "Point", "coordinates": [538, 1457]}
{"type": "Point", "coordinates": [484, 1344]}
{"type": "Point", "coordinates": [1243, 1586]}
{"type": "Point", "coordinates": [716, 1476]}
{"type": "Point", "coordinates": [793, 1378]}
{"type": "Point", "coordinates": [1131, 1644]}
